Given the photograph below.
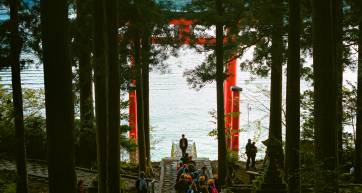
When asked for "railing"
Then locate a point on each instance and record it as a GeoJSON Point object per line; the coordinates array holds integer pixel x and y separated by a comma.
{"type": "Point", "coordinates": [176, 150]}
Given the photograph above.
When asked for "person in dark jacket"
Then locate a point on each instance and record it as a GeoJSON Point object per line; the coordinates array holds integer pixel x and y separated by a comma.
{"type": "Point", "coordinates": [248, 149]}
{"type": "Point", "coordinates": [183, 144]}
{"type": "Point", "coordinates": [141, 183]}
{"type": "Point", "coordinates": [253, 151]}
{"type": "Point", "coordinates": [182, 184]}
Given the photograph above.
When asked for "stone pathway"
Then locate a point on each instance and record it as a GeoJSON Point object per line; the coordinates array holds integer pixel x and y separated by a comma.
{"type": "Point", "coordinates": [168, 175]}
{"type": "Point", "coordinates": [39, 170]}
{"type": "Point", "coordinates": [168, 167]}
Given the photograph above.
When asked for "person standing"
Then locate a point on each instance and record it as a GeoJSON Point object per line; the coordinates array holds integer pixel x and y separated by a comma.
{"type": "Point", "coordinates": [141, 183]}
{"type": "Point", "coordinates": [248, 148]}
{"type": "Point", "coordinates": [183, 144]}
{"type": "Point", "coordinates": [253, 151]}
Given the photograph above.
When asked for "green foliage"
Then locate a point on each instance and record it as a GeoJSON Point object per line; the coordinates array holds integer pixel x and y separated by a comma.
{"type": "Point", "coordinates": [29, 32]}
{"type": "Point", "coordinates": [256, 184]}
{"type": "Point", "coordinates": [205, 14]}
{"type": "Point", "coordinates": [128, 166]}
{"type": "Point", "coordinates": [307, 120]}
{"type": "Point", "coordinates": [33, 121]}
{"type": "Point", "coordinates": [10, 188]}
{"type": "Point", "coordinates": [307, 161]}
{"type": "Point", "coordinates": [126, 143]}
{"type": "Point", "coordinates": [7, 182]}
{"type": "Point", "coordinates": [35, 129]}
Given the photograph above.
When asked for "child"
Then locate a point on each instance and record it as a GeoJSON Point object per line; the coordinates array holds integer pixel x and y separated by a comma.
{"type": "Point", "coordinates": [212, 188]}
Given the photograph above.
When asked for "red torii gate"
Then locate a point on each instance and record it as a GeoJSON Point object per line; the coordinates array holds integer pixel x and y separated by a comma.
{"type": "Point", "coordinates": [231, 91]}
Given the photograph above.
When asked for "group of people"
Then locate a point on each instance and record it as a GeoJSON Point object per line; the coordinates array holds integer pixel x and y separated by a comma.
{"type": "Point", "coordinates": [190, 179]}
{"type": "Point", "coordinates": [250, 152]}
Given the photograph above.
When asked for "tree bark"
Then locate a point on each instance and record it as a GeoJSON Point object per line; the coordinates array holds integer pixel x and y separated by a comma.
{"type": "Point", "coordinates": [293, 100]}
{"type": "Point", "coordinates": [146, 48]}
{"type": "Point", "coordinates": [100, 77]}
{"type": "Point", "coordinates": [15, 46]}
{"type": "Point", "coordinates": [113, 95]}
{"type": "Point", "coordinates": [220, 77]}
{"type": "Point", "coordinates": [140, 118]}
{"type": "Point", "coordinates": [275, 122]}
{"type": "Point", "coordinates": [325, 96]}
{"type": "Point", "coordinates": [338, 14]}
{"type": "Point", "coordinates": [58, 96]}
{"type": "Point", "coordinates": [358, 153]}
{"type": "Point", "coordinates": [87, 145]}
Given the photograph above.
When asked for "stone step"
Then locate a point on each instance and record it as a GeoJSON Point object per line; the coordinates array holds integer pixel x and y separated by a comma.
{"type": "Point", "coordinates": [169, 174]}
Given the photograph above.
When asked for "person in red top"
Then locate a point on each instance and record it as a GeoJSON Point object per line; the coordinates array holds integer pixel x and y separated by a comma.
{"type": "Point", "coordinates": [183, 144]}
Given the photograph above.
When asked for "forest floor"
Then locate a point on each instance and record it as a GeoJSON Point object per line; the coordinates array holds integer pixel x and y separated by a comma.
{"type": "Point", "coordinates": [39, 185]}
{"type": "Point", "coordinates": [239, 175]}
{"type": "Point", "coordinates": [8, 183]}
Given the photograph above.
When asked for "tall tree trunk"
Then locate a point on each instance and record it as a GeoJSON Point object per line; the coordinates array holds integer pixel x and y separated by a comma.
{"type": "Point", "coordinates": [16, 44]}
{"type": "Point", "coordinates": [220, 77]}
{"type": "Point", "coordinates": [87, 144]}
{"type": "Point", "coordinates": [140, 118]}
{"type": "Point", "coordinates": [146, 48]}
{"type": "Point", "coordinates": [275, 122]}
{"type": "Point", "coordinates": [338, 14]}
{"type": "Point", "coordinates": [58, 96]}
{"type": "Point", "coordinates": [292, 147]}
{"type": "Point", "coordinates": [100, 77]}
{"type": "Point", "coordinates": [113, 95]}
{"type": "Point", "coordinates": [325, 96]}
{"type": "Point", "coordinates": [358, 153]}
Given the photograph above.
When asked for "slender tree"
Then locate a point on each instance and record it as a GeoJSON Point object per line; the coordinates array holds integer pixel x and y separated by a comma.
{"type": "Point", "coordinates": [293, 100]}
{"type": "Point", "coordinates": [139, 90]}
{"type": "Point", "coordinates": [146, 48]}
{"type": "Point", "coordinates": [325, 96]}
{"type": "Point", "coordinates": [358, 153]}
{"type": "Point", "coordinates": [220, 77]}
{"type": "Point", "coordinates": [337, 17]}
{"type": "Point", "coordinates": [100, 77]}
{"type": "Point", "coordinates": [113, 96]}
{"type": "Point", "coordinates": [58, 96]}
{"type": "Point", "coordinates": [83, 36]}
{"type": "Point", "coordinates": [15, 50]}
{"type": "Point", "coordinates": [275, 122]}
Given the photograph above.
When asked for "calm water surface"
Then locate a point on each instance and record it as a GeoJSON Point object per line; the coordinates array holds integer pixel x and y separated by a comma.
{"type": "Point", "coordinates": [177, 109]}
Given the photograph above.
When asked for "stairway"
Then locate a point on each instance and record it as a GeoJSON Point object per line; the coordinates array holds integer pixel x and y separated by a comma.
{"type": "Point", "coordinates": [169, 164]}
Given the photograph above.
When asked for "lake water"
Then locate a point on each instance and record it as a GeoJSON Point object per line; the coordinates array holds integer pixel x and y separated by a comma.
{"type": "Point", "coordinates": [177, 109]}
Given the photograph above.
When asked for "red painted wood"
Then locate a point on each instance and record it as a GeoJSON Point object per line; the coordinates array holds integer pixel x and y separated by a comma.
{"type": "Point", "coordinates": [132, 108]}
{"type": "Point", "coordinates": [229, 82]}
{"type": "Point", "coordinates": [235, 122]}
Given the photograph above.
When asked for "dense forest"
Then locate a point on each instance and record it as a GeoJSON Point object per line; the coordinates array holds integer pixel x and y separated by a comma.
{"type": "Point", "coordinates": [94, 51]}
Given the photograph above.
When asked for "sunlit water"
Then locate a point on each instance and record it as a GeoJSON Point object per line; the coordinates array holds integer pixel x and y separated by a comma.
{"type": "Point", "coordinates": [176, 109]}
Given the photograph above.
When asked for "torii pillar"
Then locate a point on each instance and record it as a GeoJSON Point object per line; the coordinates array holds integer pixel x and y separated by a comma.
{"type": "Point", "coordinates": [231, 106]}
